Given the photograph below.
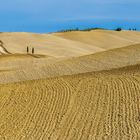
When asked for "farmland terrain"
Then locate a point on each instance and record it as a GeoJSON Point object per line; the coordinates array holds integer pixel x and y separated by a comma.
{"type": "Point", "coordinates": [77, 86]}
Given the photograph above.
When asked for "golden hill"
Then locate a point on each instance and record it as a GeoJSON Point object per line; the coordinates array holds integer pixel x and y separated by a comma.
{"type": "Point", "coordinates": [46, 44]}
{"type": "Point", "coordinates": [45, 67]}
{"type": "Point", "coordinates": [103, 39]}
{"type": "Point", "coordinates": [102, 105]}
{"type": "Point", "coordinates": [71, 44]}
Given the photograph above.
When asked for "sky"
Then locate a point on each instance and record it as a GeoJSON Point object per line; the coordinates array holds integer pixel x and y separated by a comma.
{"type": "Point", "coordinates": [44, 16]}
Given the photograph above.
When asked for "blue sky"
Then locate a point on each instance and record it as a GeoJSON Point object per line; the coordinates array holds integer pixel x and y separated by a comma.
{"type": "Point", "coordinates": [53, 15]}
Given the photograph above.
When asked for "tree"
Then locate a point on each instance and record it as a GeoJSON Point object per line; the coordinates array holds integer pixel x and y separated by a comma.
{"type": "Point", "coordinates": [33, 50]}
{"type": "Point", "coordinates": [27, 49]}
{"type": "Point", "coordinates": [118, 29]}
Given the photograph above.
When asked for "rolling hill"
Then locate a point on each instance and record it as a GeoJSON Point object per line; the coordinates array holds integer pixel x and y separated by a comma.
{"type": "Point", "coordinates": [77, 86]}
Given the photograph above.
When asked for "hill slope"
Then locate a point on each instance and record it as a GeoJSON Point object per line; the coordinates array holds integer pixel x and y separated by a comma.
{"type": "Point", "coordinates": [45, 67]}
{"type": "Point", "coordinates": [104, 39]}
{"type": "Point", "coordinates": [102, 105]}
{"type": "Point", "coordinates": [46, 44]}
{"type": "Point", "coordinates": [76, 86]}
{"type": "Point", "coordinates": [71, 44]}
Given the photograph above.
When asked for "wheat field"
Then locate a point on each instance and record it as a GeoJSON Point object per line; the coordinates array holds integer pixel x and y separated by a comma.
{"type": "Point", "coordinates": [86, 95]}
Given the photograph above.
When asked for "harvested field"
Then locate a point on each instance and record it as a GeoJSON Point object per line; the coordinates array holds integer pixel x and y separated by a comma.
{"type": "Point", "coordinates": [88, 90]}
{"type": "Point", "coordinates": [102, 105]}
{"type": "Point", "coordinates": [47, 67]}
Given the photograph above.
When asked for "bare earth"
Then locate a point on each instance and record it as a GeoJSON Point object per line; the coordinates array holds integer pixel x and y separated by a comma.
{"type": "Point", "coordinates": [77, 86]}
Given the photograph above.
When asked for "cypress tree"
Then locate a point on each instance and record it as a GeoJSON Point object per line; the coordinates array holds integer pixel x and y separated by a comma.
{"type": "Point", "coordinates": [27, 49]}
{"type": "Point", "coordinates": [33, 50]}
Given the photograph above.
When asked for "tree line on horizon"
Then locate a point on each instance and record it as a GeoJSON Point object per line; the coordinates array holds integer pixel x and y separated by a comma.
{"type": "Point", "coordinates": [90, 29]}
{"type": "Point", "coordinates": [77, 29]}
{"type": "Point", "coordinates": [130, 29]}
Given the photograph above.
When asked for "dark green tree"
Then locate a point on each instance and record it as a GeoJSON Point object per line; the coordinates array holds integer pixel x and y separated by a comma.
{"type": "Point", "coordinates": [33, 51]}
{"type": "Point", "coordinates": [27, 49]}
{"type": "Point", "coordinates": [118, 29]}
